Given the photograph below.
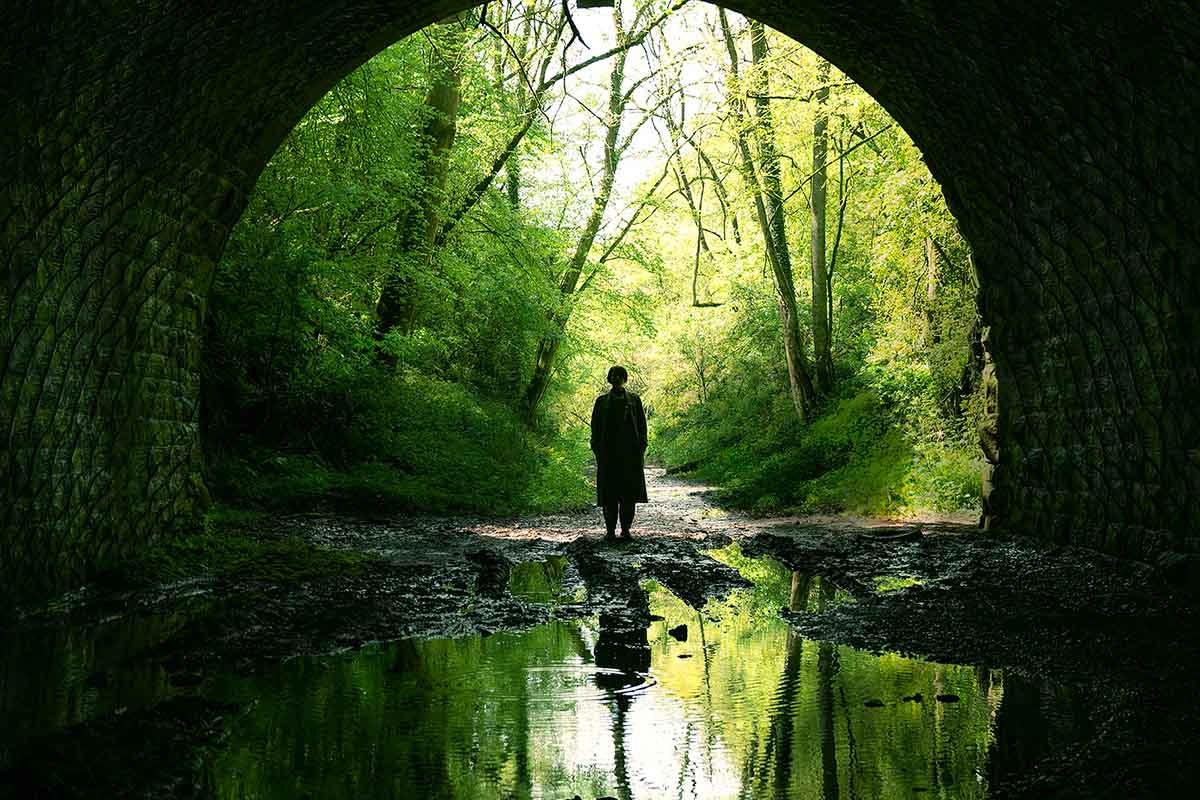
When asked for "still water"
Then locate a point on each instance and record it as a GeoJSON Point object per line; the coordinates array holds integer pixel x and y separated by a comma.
{"type": "Point", "coordinates": [736, 706]}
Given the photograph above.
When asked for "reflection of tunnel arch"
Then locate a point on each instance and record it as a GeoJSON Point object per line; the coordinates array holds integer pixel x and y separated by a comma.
{"type": "Point", "coordinates": [131, 135]}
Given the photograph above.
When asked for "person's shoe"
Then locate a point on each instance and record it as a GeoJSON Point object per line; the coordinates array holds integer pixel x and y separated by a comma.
{"type": "Point", "coordinates": [610, 536]}
{"type": "Point", "coordinates": [625, 535]}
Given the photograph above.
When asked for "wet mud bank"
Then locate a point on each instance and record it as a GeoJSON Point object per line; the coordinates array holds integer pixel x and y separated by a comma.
{"type": "Point", "coordinates": [1099, 698]}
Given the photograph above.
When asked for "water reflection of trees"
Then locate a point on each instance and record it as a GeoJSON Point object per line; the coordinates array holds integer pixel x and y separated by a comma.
{"type": "Point", "coordinates": [807, 593]}
{"type": "Point", "coordinates": [448, 719]}
{"type": "Point", "coordinates": [818, 739]}
{"type": "Point", "coordinates": [759, 711]}
{"type": "Point", "coordinates": [786, 713]}
{"type": "Point", "coordinates": [792, 710]}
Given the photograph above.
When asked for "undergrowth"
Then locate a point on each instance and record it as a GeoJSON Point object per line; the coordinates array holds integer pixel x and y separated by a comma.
{"type": "Point", "coordinates": [855, 457]}
{"type": "Point", "coordinates": [408, 442]}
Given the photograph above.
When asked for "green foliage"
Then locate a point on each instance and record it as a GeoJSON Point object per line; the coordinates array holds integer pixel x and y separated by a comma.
{"type": "Point", "coordinates": [897, 434]}
{"type": "Point", "coordinates": [853, 458]}
{"type": "Point", "coordinates": [413, 442]}
{"type": "Point", "coordinates": [304, 407]}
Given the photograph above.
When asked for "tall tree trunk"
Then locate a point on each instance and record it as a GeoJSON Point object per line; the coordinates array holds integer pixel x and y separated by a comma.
{"type": "Point", "coordinates": [547, 350]}
{"type": "Point", "coordinates": [821, 323]}
{"type": "Point", "coordinates": [512, 167]}
{"type": "Point", "coordinates": [417, 230]}
{"type": "Point", "coordinates": [512, 181]}
{"type": "Point", "coordinates": [768, 205]}
{"type": "Point", "coordinates": [932, 284]}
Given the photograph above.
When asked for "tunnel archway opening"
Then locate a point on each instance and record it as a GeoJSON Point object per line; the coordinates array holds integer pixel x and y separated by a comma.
{"type": "Point", "coordinates": [490, 312]}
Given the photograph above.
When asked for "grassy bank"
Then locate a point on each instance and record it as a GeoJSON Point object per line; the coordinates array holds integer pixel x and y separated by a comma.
{"type": "Point", "coordinates": [855, 457]}
{"type": "Point", "coordinates": [411, 443]}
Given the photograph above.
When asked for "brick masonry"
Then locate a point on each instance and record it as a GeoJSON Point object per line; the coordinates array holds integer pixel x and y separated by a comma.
{"type": "Point", "coordinates": [1065, 135]}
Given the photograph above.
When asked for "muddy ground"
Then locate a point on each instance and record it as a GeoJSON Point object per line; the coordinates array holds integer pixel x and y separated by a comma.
{"type": "Point", "coordinates": [1120, 634]}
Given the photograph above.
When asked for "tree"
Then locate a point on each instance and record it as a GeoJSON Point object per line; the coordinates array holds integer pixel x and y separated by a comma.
{"type": "Point", "coordinates": [508, 158]}
{"type": "Point", "coordinates": [768, 204]}
{"type": "Point", "coordinates": [614, 147]}
{"type": "Point", "coordinates": [418, 228]}
{"type": "Point", "coordinates": [821, 289]}
{"type": "Point", "coordinates": [684, 186]}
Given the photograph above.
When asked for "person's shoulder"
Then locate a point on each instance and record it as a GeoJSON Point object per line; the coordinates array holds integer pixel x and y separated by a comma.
{"type": "Point", "coordinates": [637, 398]}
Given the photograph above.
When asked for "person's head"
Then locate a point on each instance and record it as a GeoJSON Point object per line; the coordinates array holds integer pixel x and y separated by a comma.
{"type": "Point", "coordinates": [618, 377]}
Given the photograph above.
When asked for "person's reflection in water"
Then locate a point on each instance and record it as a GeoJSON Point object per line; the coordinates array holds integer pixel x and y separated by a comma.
{"type": "Point", "coordinates": [622, 645]}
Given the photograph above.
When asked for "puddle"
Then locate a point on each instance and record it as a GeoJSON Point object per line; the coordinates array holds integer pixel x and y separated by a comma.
{"type": "Point", "coordinates": [814, 594]}
{"type": "Point", "coordinates": [552, 582]}
{"type": "Point", "coordinates": [776, 587]}
{"type": "Point", "coordinates": [725, 702]}
{"type": "Point", "coordinates": [538, 581]}
{"type": "Point", "coordinates": [58, 676]}
{"type": "Point", "coordinates": [893, 583]}
{"type": "Point", "coordinates": [534, 715]}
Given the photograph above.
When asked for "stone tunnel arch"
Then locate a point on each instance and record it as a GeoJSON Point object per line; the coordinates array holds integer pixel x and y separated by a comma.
{"type": "Point", "coordinates": [131, 135]}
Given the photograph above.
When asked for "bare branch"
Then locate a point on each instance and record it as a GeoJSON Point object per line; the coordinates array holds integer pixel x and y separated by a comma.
{"type": "Point", "coordinates": [841, 157]}
{"type": "Point", "coordinates": [535, 104]}
{"type": "Point", "coordinates": [628, 44]}
{"type": "Point", "coordinates": [575, 34]}
{"type": "Point", "coordinates": [722, 196]}
{"type": "Point", "coordinates": [633, 220]}
{"type": "Point", "coordinates": [801, 98]}
{"type": "Point", "coordinates": [512, 50]}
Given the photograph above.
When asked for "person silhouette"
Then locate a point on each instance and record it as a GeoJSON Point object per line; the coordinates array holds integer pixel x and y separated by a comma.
{"type": "Point", "coordinates": [619, 444]}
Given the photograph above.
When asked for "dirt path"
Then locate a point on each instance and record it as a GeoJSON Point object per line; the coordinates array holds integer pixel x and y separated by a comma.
{"type": "Point", "coordinates": [679, 508]}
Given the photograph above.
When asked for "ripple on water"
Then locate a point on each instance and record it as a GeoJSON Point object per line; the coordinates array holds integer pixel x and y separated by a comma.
{"type": "Point", "coordinates": [576, 681]}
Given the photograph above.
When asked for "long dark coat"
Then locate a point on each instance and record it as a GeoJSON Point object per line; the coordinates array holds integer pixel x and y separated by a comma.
{"type": "Point", "coordinates": [619, 442]}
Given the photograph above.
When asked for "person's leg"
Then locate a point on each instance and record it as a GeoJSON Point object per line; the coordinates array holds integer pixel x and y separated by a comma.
{"type": "Point", "coordinates": [627, 509]}
{"type": "Point", "coordinates": [610, 518]}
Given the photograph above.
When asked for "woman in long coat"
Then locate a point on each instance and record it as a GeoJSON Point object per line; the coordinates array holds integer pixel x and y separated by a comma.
{"type": "Point", "coordinates": [619, 443]}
